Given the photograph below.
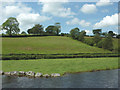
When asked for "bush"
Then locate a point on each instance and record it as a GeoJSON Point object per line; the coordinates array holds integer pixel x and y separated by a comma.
{"type": "Point", "coordinates": [99, 44]}
{"type": "Point", "coordinates": [89, 42]}
{"type": "Point", "coordinates": [81, 37]}
{"type": "Point", "coordinates": [108, 43]}
{"type": "Point", "coordinates": [96, 38]}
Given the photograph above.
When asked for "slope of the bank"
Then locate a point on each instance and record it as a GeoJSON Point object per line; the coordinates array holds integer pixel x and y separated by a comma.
{"type": "Point", "coordinates": [46, 45]}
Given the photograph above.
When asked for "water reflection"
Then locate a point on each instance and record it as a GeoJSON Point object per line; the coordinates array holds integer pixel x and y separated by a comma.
{"type": "Point", "coordinates": [99, 79]}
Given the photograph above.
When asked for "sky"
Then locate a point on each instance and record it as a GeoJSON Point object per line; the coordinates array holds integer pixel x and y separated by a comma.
{"type": "Point", "coordinates": [87, 16]}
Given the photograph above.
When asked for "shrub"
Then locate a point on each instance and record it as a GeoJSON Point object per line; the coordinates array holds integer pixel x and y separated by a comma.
{"type": "Point", "coordinates": [108, 43]}
{"type": "Point", "coordinates": [99, 44]}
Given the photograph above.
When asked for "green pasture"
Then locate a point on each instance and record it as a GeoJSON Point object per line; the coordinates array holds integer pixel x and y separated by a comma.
{"type": "Point", "coordinates": [46, 45]}
{"type": "Point", "coordinates": [60, 65]}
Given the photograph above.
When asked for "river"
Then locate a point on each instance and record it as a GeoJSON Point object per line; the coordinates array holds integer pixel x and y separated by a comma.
{"type": "Point", "coordinates": [99, 79]}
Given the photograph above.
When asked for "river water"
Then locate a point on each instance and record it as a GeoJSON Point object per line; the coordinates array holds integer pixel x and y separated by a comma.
{"type": "Point", "coordinates": [99, 79]}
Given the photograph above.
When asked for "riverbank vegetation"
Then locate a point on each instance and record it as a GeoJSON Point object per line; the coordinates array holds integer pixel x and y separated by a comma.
{"type": "Point", "coordinates": [61, 65]}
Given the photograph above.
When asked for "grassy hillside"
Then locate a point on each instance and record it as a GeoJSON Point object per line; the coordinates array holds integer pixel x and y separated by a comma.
{"type": "Point", "coordinates": [46, 45]}
{"type": "Point", "coordinates": [61, 65]}
{"type": "Point", "coordinates": [116, 43]}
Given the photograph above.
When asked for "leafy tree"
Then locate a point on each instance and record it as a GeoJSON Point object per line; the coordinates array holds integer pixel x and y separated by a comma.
{"type": "Point", "coordinates": [118, 36]}
{"type": "Point", "coordinates": [58, 29]}
{"type": "Point", "coordinates": [11, 25]}
{"type": "Point", "coordinates": [29, 31]}
{"type": "Point", "coordinates": [74, 33]}
{"type": "Point", "coordinates": [89, 42]}
{"type": "Point", "coordinates": [62, 34]}
{"type": "Point", "coordinates": [97, 31]}
{"type": "Point", "coordinates": [83, 32]}
{"type": "Point", "coordinates": [23, 32]}
{"type": "Point", "coordinates": [96, 38]}
{"type": "Point", "coordinates": [108, 43]}
{"type": "Point", "coordinates": [81, 36]}
{"type": "Point", "coordinates": [99, 44]}
{"type": "Point", "coordinates": [52, 30]}
{"type": "Point", "coordinates": [37, 29]}
{"type": "Point", "coordinates": [111, 33]}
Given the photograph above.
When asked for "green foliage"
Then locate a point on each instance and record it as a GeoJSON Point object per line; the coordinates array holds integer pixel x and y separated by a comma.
{"type": "Point", "coordinates": [62, 34]}
{"type": "Point", "coordinates": [108, 43]}
{"type": "Point", "coordinates": [81, 36]}
{"type": "Point", "coordinates": [37, 29]}
{"type": "Point", "coordinates": [23, 32]}
{"type": "Point", "coordinates": [52, 30]}
{"type": "Point", "coordinates": [74, 33]}
{"type": "Point", "coordinates": [116, 43]}
{"type": "Point", "coordinates": [99, 44]}
{"type": "Point", "coordinates": [96, 38]}
{"type": "Point", "coordinates": [118, 36]}
{"type": "Point", "coordinates": [89, 41]}
{"type": "Point", "coordinates": [97, 31]}
{"type": "Point", "coordinates": [54, 56]}
{"type": "Point", "coordinates": [111, 33]}
{"type": "Point", "coordinates": [11, 25]}
{"type": "Point", "coordinates": [58, 30]}
{"type": "Point", "coordinates": [60, 65]}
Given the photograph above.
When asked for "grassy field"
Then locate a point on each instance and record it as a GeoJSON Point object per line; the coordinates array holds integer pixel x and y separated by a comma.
{"type": "Point", "coordinates": [60, 65]}
{"type": "Point", "coordinates": [46, 45]}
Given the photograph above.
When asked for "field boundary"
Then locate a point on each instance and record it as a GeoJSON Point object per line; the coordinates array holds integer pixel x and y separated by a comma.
{"type": "Point", "coordinates": [55, 56]}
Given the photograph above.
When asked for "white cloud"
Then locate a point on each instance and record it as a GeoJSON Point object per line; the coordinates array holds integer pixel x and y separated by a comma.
{"type": "Point", "coordinates": [24, 14]}
{"type": "Point", "coordinates": [103, 3]}
{"type": "Point", "coordinates": [57, 9]}
{"type": "Point", "coordinates": [15, 10]}
{"type": "Point", "coordinates": [88, 8]}
{"type": "Point", "coordinates": [31, 18]}
{"type": "Point", "coordinates": [74, 21]}
{"type": "Point", "coordinates": [88, 32]}
{"type": "Point", "coordinates": [107, 21]}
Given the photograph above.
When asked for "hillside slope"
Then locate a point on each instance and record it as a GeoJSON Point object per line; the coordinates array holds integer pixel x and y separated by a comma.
{"type": "Point", "coordinates": [47, 45]}
{"type": "Point", "coordinates": [116, 43]}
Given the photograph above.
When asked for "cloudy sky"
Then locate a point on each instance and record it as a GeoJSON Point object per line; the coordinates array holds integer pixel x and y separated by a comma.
{"type": "Point", "coordinates": [84, 15]}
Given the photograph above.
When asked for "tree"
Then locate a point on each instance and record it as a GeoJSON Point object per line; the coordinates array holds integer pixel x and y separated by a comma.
{"type": "Point", "coordinates": [11, 25]}
{"type": "Point", "coordinates": [111, 33]}
{"type": "Point", "coordinates": [83, 32]}
{"type": "Point", "coordinates": [29, 31]}
{"type": "Point", "coordinates": [96, 38]}
{"type": "Point", "coordinates": [118, 36]}
{"type": "Point", "coordinates": [99, 44]}
{"type": "Point", "coordinates": [37, 29]}
{"type": "Point", "coordinates": [23, 32]}
{"type": "Point", "coordinates": [81, 36]}
{"type": "Point", "coordinates": [74, 33]}
{"type": "Point", "coordinates": [108, 43]}
{"type": "Point", "coordinates": [58, 30]}
{"type": "Point", "coordinates": [62, 34]}
{"type": "Point", "coordinates": [51, 30]}
{"type": "Point", "coordinates": [97, 31]}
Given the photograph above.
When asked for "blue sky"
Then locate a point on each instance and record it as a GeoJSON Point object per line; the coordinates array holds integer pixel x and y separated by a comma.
{"type": "Point", "coordinates": [84, 15]}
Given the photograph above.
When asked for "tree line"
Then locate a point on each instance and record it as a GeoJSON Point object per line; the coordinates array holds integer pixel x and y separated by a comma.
{"type": "Point", "coordinates": [12, 27]}
{"type": "Point", "coordinates": [101, 40]}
